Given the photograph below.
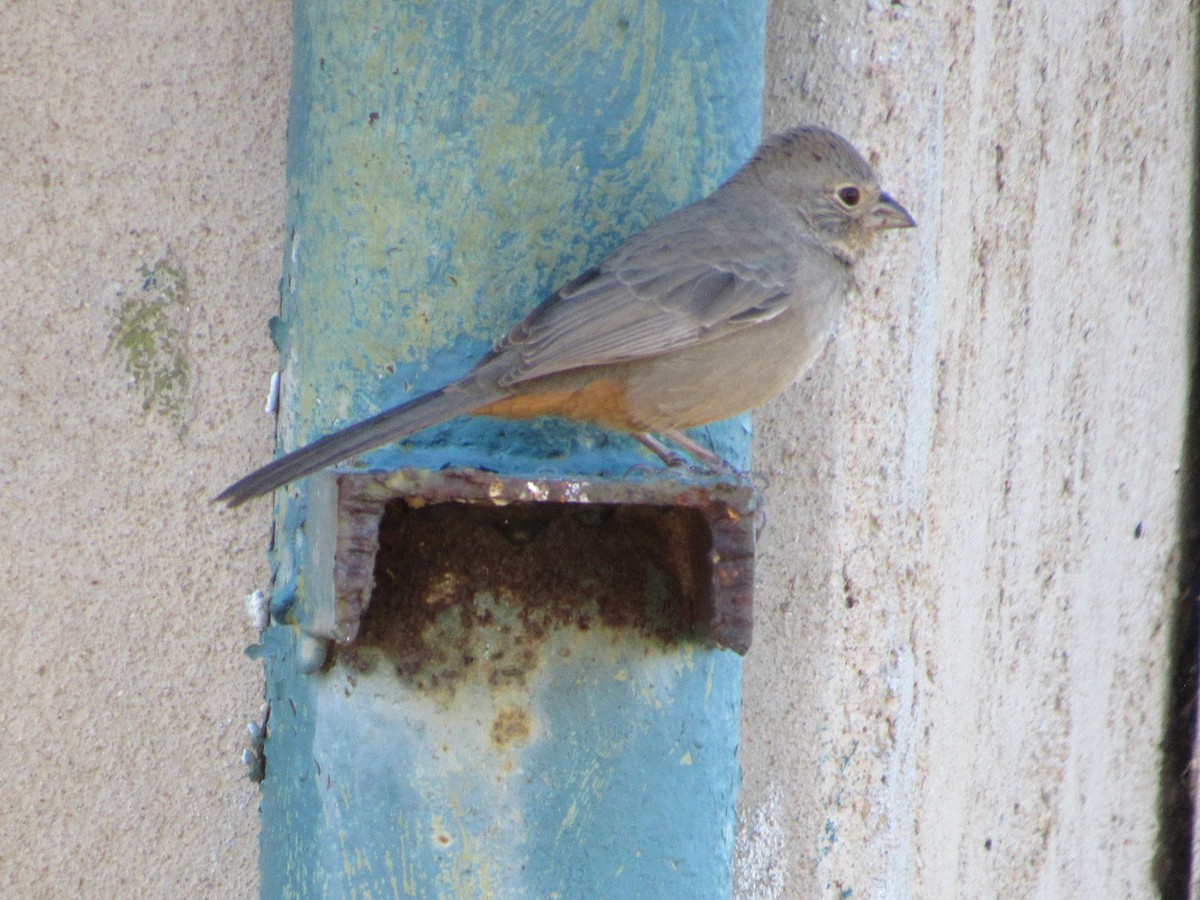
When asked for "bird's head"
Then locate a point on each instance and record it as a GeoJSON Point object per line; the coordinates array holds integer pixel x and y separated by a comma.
{"type": "Point", "coordinates": [821, 177]}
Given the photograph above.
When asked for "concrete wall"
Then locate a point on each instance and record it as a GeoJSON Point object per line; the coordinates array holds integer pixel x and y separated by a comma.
{"type": "Point", "coordinates": [133, 137]}
{"type": "Point", "coordinates": [959, 677]}
{"type": "Point", "coordinates": [958, 682]}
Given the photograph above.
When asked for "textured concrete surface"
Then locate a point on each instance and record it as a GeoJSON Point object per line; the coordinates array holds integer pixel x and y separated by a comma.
{"type": "Point", "coordinates": [135, 140]}
{"type": "Point", "coordinates": [958, 679]}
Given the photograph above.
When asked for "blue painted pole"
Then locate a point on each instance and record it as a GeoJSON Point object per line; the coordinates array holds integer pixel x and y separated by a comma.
{"type": "Point", "coordinates": [449, 165]}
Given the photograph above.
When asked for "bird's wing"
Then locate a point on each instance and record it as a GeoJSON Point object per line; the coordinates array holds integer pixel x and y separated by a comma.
{"type": "Point", "coordinates": [674, 285]}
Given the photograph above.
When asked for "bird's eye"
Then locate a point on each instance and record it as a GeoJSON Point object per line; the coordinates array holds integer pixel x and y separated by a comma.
{"type": "Point", "coordinates": [849, 195]}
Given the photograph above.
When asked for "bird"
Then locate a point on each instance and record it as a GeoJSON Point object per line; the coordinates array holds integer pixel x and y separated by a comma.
{"type": "Point", "coordinates": [705, 314]}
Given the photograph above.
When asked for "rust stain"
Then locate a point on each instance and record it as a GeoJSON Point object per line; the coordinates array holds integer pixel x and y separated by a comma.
{"type": "Point", "coordinates": [474, 591]}
{"type": "Point", "coordinates": [511, 726]}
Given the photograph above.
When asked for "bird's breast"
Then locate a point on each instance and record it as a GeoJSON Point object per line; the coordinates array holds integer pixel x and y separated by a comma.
{"type": "Point", "coordinates": [723, 378]}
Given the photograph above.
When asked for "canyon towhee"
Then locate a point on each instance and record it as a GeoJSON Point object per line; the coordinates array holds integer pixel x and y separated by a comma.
{"type": "Point", "coordinates": [707, 313]}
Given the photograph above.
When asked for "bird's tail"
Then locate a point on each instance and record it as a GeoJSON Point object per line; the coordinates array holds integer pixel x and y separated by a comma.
{"type": "Point", "coordinates": [390, 425]}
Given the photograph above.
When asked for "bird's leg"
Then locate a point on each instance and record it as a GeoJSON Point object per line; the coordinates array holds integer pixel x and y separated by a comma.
{"type": "Point", "coordinates": [661, 450]}
{"type": "Point", "coordinates": [700, 452]}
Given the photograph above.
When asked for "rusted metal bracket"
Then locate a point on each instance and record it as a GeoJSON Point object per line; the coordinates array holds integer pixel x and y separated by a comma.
{"type": "Point", "coordinates": [697, 536]}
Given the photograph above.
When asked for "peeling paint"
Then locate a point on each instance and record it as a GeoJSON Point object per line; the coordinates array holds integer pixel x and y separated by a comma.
{"type": "Point", "coordinates": [449, 166]}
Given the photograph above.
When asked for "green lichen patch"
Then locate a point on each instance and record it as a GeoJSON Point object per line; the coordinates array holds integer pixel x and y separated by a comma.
{"type": "Point", "coordinates": [150, 333]}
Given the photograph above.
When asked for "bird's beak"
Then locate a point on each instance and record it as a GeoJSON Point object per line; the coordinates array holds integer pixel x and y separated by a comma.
{"type": "Point", "coordinates": [890, 214]}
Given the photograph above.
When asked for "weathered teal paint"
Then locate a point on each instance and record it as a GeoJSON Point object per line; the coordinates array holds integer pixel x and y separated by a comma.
{"type": "Point", "coordinates": [449, 165]}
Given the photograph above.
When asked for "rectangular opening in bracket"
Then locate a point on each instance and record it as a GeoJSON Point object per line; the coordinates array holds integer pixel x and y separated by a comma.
{"type": "Point", "coordinates": [669, 558]}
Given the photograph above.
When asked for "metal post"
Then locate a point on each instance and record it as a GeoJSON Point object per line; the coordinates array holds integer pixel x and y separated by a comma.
{"type": "Point", "coordinates": [449, 165]}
